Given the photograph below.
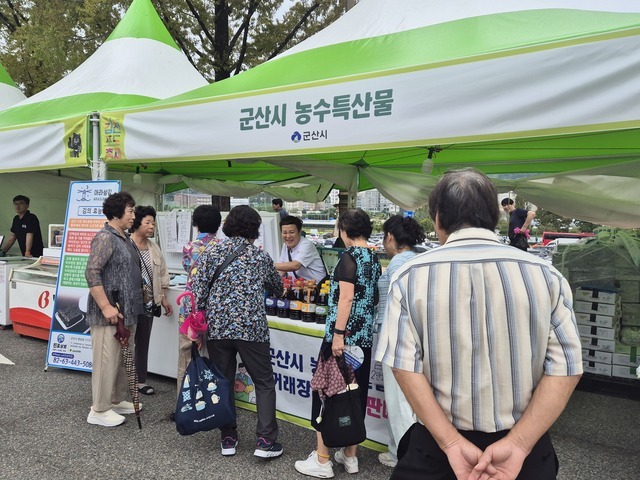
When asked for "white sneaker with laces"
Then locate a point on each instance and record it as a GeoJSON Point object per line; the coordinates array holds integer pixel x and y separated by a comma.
{"type": "Point", "coordinates": [388, 459]}
{"type": "Point", "coordinates": [124, 407]}
{"type": "Point", "coordinates": [313, 468]}
{"type": "Point", "coordinates": [350, 463]}
{"type": "Point", "coordinates": [108, 418]}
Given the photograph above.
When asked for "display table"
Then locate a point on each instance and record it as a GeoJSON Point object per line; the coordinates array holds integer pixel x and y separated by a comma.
{"type": "Point", "coordinates": [7, 264]}
{"type": "Point", "coordinates": [31, 297]}
{"type": "Point", "coordinates": [294, 349]}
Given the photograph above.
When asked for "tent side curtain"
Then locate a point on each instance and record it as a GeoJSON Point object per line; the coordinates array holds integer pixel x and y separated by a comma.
{"type": "Point", "coordinates": [45, 146]}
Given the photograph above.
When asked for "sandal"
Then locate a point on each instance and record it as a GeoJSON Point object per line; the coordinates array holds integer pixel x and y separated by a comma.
{"type": "Point", "coordinates": [146, 390]}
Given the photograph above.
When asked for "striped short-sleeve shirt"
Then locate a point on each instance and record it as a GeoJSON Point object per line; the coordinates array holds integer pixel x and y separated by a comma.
{"type": "Point", "coordinates": [483, 322]}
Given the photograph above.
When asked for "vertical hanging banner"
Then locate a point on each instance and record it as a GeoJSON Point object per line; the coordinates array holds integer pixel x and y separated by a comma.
{"type": "Point", "coordinates": [69, 337]}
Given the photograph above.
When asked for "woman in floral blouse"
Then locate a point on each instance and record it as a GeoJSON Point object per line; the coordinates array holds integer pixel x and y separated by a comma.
{"type": "Point", "coordinates": [237, 320]}
{"type": "Point", "coordinates": [349, 327]}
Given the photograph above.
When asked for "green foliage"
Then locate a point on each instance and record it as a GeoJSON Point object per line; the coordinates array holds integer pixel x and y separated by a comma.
{"type": "Point", "coordinates": [43, 40]}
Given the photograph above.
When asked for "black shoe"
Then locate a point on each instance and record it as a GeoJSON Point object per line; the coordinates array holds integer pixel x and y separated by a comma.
{"type": "Point", "coordinates": [267, 449]}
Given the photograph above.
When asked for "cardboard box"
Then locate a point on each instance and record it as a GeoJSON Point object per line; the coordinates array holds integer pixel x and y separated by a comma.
{"type": "Point", "coordinates": [594, 343]}
{"type": "Point", "coordinates": [596, 295]}
{"type": "Point", "coordinates": [597, 368]}
{"type": "Point", "coordinates": [595, 307]}
{"type": "Point", "coordinates": [625, 356]}
{"type": "Point", "coordinates": [596, 356]}
{"type": "Point", "coordinates": [600, 332]}
{"type": "Point", "coordinates": [593, 319]}
{"type": "Point", "coordinates": [624, 372]}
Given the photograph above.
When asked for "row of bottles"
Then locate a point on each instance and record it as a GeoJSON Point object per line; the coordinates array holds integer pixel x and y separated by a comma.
{"type": "Point", "coordinates": [301, 300]}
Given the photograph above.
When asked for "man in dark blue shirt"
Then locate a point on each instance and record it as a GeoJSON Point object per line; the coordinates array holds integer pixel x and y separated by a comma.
{"type": "Point", "coordinates": [519, 222]}
{"type": "Point", "coordinates": [25, 229]}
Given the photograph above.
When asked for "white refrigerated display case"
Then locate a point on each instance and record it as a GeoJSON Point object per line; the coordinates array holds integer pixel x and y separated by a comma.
{"type": "Point", "coordinates": [6, 265]}
{"type": "Point", "coordinates": [31, 298]}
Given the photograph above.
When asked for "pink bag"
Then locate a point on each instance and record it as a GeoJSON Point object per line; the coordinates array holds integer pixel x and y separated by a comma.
{"type": "Point", "coordinates": [328, 379]}
{"type": "Point", "coordinates": [195, 324]}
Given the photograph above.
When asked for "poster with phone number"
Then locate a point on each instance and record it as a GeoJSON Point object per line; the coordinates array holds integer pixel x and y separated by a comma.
{"type": "Point", "coordinates": [69, 337]}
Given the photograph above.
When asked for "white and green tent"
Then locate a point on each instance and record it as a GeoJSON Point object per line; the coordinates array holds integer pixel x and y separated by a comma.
{"type": "Point", "coordinates": [526, 87]}
{"type": "Point", "coordinates": [138, 64]}
{"type": "Point", "coordinates": [10, 94]}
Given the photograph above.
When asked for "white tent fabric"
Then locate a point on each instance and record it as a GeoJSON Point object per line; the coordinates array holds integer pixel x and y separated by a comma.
{"type": "Point", "coordinates": [396, 81]}
{"type": "Point", "coordinates": [139, 63]}
{"type": "Point", "coordinates": [10, 94]}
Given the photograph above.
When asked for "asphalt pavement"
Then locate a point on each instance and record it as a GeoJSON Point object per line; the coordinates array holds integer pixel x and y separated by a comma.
{"type": "Point", "coordinates": [44, 433]}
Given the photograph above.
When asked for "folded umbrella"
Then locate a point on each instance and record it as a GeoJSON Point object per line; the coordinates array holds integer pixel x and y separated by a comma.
{"type": "Point", "coordinates": [122, 335]}
{"type": "Point", "coordinates": [195, 324]}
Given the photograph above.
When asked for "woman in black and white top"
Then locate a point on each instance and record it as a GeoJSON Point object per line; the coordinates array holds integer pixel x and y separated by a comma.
{"type": "Point", "coordinates": [155, 280]}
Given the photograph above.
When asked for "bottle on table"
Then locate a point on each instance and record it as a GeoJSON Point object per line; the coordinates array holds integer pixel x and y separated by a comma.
{"type": "Point", "coordinates": [322, 305]}
{"type": "Point", "coordinates": [309, 302]}
{"type": "Point", "coordinates": [282, 304]}
{"type": "Point", "coordinates": [295, 300]}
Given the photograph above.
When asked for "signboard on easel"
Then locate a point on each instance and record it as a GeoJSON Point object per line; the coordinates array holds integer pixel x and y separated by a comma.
{"type": "Point", "coordinates": [69, 337]}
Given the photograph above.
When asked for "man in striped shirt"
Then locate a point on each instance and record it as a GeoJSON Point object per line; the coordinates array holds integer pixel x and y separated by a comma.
{"type": "Point", "coordinates": [483, 341]}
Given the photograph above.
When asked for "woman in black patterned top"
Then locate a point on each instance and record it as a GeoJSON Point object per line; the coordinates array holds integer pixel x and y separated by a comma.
{"type": "Point", "coordinates": [234, 306]}
{"type": "Point", "coordinates": [112, 266]}
{"type": "Point", "coordinates": [349, 328]}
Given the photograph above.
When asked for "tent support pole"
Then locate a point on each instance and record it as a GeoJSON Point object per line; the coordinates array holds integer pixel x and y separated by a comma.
{"type": "Point", "coordinates": [98, 167]}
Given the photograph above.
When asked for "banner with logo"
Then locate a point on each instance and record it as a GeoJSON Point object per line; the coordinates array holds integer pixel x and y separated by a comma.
{"type": "Point", "coordinates": [69, 338]}
{"type": "Point", "coordinates": [294, 355]}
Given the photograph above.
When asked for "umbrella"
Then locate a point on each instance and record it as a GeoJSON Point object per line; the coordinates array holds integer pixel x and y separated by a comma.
{"type": "Point", "coordinates": [122, 335]}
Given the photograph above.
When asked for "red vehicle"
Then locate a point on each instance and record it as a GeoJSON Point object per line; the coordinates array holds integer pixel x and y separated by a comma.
{"type": "Point", "coordinates": [549, 236]}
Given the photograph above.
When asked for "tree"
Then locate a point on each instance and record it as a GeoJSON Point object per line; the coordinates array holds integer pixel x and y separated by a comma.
{"type": "Point", "coordinates": [43, 40]}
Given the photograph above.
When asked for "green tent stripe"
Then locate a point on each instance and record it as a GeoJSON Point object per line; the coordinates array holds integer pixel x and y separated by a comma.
{"type": "Point", "coordinates": [5, 78]}
{"type": "Point", "coordinates": [62, 108]}
{"type": "Point", "coordinates": [453, 42]}
{"type": "Point", "coordinates": [142, 21]}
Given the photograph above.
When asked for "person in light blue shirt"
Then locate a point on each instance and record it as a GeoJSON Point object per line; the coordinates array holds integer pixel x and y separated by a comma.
{"type": "Point", "coordinates": [401, 235]}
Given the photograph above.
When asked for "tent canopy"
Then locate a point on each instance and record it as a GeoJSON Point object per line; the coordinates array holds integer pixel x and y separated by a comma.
{"type": "Point", "coordinates": [138, 64]}
{"type": "Point", "coordinates": [10, 94]}
{"type": "Point", "coordinates": [508, 87]}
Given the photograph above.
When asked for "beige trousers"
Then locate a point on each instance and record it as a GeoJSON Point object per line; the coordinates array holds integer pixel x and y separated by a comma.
{"type": "Point", "coordinates": [108, 378]}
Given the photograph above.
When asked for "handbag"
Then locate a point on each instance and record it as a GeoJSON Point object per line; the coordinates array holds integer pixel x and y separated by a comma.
{"type": "Point", "coordinates": [341, 420]}
{"type": "Point", "coordinates": [520, 241]}
{"type": "Point", "coordinates": [150, 306]}
{"type": "Point", "coordinates": [195, 324]}
{"type": "Point", "coordinates": [205, 398]}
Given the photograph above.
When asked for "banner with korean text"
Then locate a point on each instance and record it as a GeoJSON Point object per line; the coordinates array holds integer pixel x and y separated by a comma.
{"type": "Point", "coordinates": [69, 338]}
{"type": "Point", "coordinates": [294, 355]}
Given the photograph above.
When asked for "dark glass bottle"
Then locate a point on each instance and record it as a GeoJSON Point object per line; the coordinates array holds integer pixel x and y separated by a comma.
{"type": "Point", "coordinates": [282, 304]}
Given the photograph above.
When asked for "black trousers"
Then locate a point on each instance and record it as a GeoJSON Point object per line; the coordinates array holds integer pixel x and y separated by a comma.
{"type": "Point", "coordinates": [420, 457]}
{"type": "Point", "coordinates": [256, 356]}
{"type": "Point", "coordinates": [143, 335]}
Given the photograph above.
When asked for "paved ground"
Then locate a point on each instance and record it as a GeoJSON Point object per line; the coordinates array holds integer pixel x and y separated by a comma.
{"type": "Point", "coordinates": [44, 434]}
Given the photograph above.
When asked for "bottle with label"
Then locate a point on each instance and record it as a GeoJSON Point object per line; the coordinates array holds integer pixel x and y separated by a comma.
{"type": "Point", "coordinates": [322, 305]}
{"type": "Point", "coordinates": [295, 300]}
{"type": "Point", "coordinates": [309, 302]}
{"type": "Point", "coordinates": [271, 304]}
{"type": "Point", "coordinates": [282, 304]}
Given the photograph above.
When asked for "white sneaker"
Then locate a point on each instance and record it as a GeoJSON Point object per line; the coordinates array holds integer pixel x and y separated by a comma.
{"type": "Point", "coordinates": [388, 459]}
{"type": "Point", "coordinates": [108, 418]}
{"type": "Point", "coordinates": [350, 463]}
{"type": "Point", "coordinates": [124, 407]}
{"type": "Point", "coordinates": [312, 467]}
